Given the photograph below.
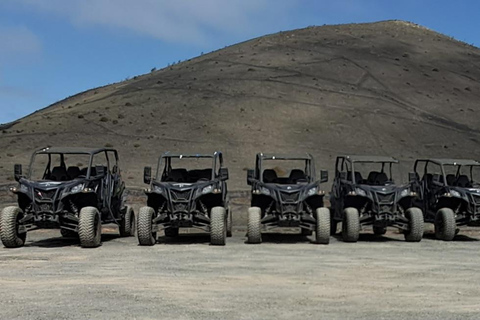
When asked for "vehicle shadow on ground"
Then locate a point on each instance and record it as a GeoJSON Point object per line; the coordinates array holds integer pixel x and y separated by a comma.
{"type": "Point", "coordinates": [186, 238]}
{"type": "Point", "coordinates": [278, 237]}
{"type": "Point", "coordinates": [370, 237]}
{"type": "Point", "coordinates": [459, 237]}
{"type": "Point", "coordinates": [60, 242]}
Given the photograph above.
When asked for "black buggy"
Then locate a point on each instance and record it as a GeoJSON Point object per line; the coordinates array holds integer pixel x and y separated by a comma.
{"type": "Point", "coordinates": [188, 191]}
{"type": "Point", "coordinates": [364, 193]}
{"type": "Point", "coordinates": [74, 189]}
{"type": "Point", "coordinates": [286, 193]}
{"type": "Point", "coordinates": [449, 193]}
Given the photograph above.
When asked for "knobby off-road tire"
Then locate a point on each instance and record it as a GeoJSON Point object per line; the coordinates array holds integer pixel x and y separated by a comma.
{"type": "Point", "coordinates": [322, 226]}
{"type": "Point", "coordinates": [218, 226]}
{"type": "Point", "coordinates": [415, 222]}
{"type": "Point", "coordinates": [9, 226]}
{"type": "Point", "coordinates": [350, 225]}
{"type": "Point", "coordinates": [68, 233]}
{"type": "Point", "coordinates": [171, 232]}
{"type": "Point", "coordinates": [229, 222]}
{"type": "Point", "coordinates": [90, 228]}
{"type": "Point", "coordinates": [145, 235]}
{"type": "Point", "coordinates": [445, 225]}
{"type": "Point", "coordinates": [127, 224]}
{"type": "Point", "coordinates": [254, 233]}
{"type": "Point", "coordinates": [379, 231]}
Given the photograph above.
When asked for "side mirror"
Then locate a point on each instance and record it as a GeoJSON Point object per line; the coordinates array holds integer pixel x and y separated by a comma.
{"type": "Point", "coordinates": [223, 174]}
{"type": "Point", "coordinates": [18, 171]}
{"type": "Point", "coordinates": [250, 176]}
{"type": "Point", "coordinates": [323, 176]}
{"type": "Point", "coordinates": [437, 180]}
{"type": "Point", "coordinates": [412, 176]}
{"type": "Point", "coordinates": [342, 175]}
{"type": "Point", "coordinates": [147, 175]}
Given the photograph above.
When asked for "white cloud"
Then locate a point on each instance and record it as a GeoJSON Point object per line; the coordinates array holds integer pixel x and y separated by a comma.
{"type": "Point", "coordinates": [17, 43]}
{"type": "Point", "coordinates": [174, 21]}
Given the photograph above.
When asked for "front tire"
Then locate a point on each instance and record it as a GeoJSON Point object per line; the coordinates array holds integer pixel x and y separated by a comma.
{"type": "Point", "coordinates": [9, 228]}
{"type": "Point", "coordinates": [445, 224]}
{"type": "Point", "coordinates": [322, 226]}
{"type": "Point", "coordinates": [218, 226]}
{"type": "Point", "coordinates": [145, 235]}
{"type": "Point", "coordinates": [90, 228]}
{"type": "Point", "coordinates": [350, 225]}
{"type": "Point", "coordinates": [127, 224]}
{"type": "Point", "coordinates": [254, 234]}
{"type": "Point", "coordinates": [416, 224]}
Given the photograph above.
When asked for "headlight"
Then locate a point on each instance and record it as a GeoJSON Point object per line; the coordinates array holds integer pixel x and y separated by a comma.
{"type": "Point", "coordinates": [455, 193]}
{"type": "Point", "coordinates": [207, 189]}
{"type": "Point", "coordinates": [78, 188]}
{"type": "Point", "coordinates": [265, 191]}
{"type": "Point", "coordinates": [157, 189]}
{"type": "Point", "coordinates": [404, 193]}
{"type": "Point", "coordinates": [312, 191]}
{"type": "Point", "coordinates": [23, 188]}
{"type": "Point", "coordinates": [360, 192]}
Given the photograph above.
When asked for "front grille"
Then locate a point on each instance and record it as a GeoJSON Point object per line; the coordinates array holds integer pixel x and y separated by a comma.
{"type": "Point", "coordinates": [180, 207]}
{"type": "Point", "coordinates": [289, 197]}
{"type": "Point", "coordinates": [45, 195]}
{"type": "Point", "coordinates": [386, 198]}
{"type": "Point", "coordinates": [181, 195]}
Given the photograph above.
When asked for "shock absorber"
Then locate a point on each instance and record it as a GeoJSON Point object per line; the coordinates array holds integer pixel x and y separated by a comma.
{"type": "Point", "coordinates": [74, 208]}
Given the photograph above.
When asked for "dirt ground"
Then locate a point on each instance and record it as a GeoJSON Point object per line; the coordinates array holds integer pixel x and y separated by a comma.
{"type": "Point", "coordinates": [285, 277]}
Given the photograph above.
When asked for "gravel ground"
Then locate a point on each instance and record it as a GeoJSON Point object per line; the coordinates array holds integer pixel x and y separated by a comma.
{"type": "Point", "coordinates": [285, 277]}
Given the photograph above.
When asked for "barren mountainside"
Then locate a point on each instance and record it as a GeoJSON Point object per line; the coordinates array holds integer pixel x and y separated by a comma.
{"type": "Point", "coordinates": [387, 88]}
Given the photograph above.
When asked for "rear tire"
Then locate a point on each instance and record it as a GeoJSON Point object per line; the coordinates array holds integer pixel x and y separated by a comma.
{"type": "Point", "coordinates": [9, 228]}
{"type": "Point", "coordinates": [445, 224]}
{"type": "Point", "coordinates": [322, 226]}
{"type": "Point", "coordinates": [218, 226]}
{"type": "Point", "coordinates": [416, 224]}
{"type": "Point", "coordinates": [379, 231]}
{"type": "Point", "coordinates": [254, 234]}
{"type": "Point", "coordinates": [229, 222]}
{"type": "Point", "coordinates": [145, 235]}
{"type": "Point", "coordinates": [350, 225]}
{"type": "Point", "coordinates": [90, 228]}
{"type": "Point", "coordinates": [127, 224]}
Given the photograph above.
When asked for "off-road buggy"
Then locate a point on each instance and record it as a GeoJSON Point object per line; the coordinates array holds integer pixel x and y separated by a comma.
{"type": "Point", "coordinates": [286, 193]}
{"type": "Point", "coordinates": [449, 193]}
{"type": "Point", "coordinates": [187, 191]}
{"type": "Point", "coordinates": [74, 189]}
{"type": "Point", "coordinates": [364, 193]}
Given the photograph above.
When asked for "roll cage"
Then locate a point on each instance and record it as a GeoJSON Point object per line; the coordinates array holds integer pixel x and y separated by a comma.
{"type": "Point", "coordinates": [345, 166]}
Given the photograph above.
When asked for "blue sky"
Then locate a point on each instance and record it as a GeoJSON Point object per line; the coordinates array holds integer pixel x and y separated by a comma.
{"type": "Point", "coordinates": [51, 49]}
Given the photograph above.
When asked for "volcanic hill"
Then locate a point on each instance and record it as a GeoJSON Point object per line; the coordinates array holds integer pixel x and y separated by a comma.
{"type": "Point", "coordinates": [386, 88]}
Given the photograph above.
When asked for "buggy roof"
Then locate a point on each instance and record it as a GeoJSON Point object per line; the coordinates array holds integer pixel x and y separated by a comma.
{"type": "Point", "coordinates": [364, 158]}
{"type": "Point", "coordinates": [280, 156]}
{"type": "Point", "coordinates": [168, 154]}
{"type": "Point", "coordinates": [72, 150]}
{"type": "Point", "coordinates": [455, 162]}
